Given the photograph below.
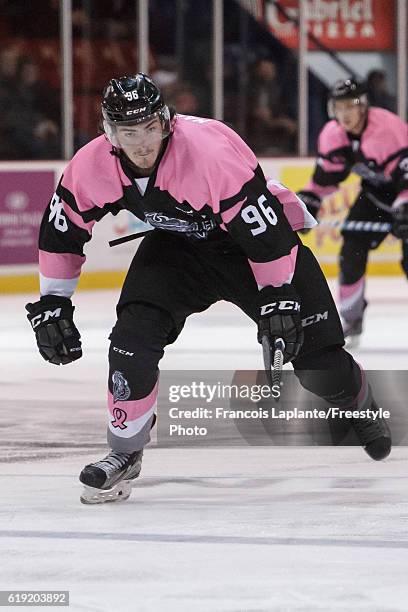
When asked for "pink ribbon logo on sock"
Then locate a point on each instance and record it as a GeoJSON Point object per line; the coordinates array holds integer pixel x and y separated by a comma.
{"type": "Point", "coordinates": [120, 418]}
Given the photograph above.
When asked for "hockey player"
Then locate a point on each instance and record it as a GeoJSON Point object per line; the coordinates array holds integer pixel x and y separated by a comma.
{"type": "Point", "coordinates": [373, 143]}
{"type": "Point", "coordinates": [221, 232]}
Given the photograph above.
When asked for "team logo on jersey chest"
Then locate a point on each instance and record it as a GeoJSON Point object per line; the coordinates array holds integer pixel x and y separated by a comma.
{"type": "Point", "coordinates": [198, 229]}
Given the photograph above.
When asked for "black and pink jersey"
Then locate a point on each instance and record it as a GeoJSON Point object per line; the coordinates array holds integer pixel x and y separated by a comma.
{"type": "Point", "coordinates": [207, 182]}
{"type": "Point", "coordinates": [379, 156]}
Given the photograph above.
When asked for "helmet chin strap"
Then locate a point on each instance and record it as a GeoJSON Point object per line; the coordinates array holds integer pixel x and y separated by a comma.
{"type": "Point", "coordinates": [110, 134]}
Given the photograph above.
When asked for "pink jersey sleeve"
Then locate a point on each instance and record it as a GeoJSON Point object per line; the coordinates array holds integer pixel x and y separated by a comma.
{"type": "Point", "coordinates": [293, 207]}
{"type": "Point", "coordinates": [91, 182]}
{"type": "Point", "coordinates": [279, 271]}
{"type": "Point", "coordinates": [328, 172]}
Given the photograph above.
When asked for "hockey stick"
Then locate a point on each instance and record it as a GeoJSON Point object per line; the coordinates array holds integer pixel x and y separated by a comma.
{"type": "Point", "coordinates": [273, 370]}
{"type": "Point", "coordinates": [350, 226]}
{"type": "Point", "coordinates": [364, 226]}
{"type": "Point", "coordinates": [381, 227]}
{"type": "Point", "coordinates": [117, 241]}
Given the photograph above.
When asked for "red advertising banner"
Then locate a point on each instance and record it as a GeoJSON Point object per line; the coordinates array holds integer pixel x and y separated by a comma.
{"type": "Point", "coordinates": [23, 199]}
{"type": "Point", "coordinates": [340, 25]}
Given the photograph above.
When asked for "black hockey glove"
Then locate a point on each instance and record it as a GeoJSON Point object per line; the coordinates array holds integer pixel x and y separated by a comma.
{"type": "Point", "coordinates": [52, 321]}
{"type": "Point", "coordinates": [279, 317]}
{"type": "Point", "coordinates": [400, 221]}
{"type": "Point", "coordinates": [312, 202]}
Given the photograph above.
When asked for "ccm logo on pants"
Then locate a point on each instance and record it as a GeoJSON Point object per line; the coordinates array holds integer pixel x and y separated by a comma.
{"type": "Point", "coordinates": [315, 318]}
{"type": "Point", "coordinates": [122, 352]}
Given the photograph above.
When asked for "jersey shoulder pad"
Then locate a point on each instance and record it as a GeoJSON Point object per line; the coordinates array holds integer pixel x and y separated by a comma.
{"type": "Point", "coordinates": [332, 137]}
{"type": "Point", "coordinates": [94, 176]}
{"type": "Point", "coordinates": [206, 162]}
{"type": "Point", "coordinates": [381, 120]}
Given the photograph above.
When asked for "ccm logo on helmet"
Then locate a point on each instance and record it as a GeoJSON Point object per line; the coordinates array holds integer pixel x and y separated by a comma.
{"type": "Point", "coordinates": [35, 321]}
{"type": "Point", "coordinates": [136, 111]}
{"type": "Point", "coordinates": [291, 305]}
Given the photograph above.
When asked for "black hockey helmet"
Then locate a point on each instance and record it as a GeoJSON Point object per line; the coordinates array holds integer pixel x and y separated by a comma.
{"type": "Point", "coordinates": [347, 89]}
{"type": "Point", "coordinates": [129, 100]}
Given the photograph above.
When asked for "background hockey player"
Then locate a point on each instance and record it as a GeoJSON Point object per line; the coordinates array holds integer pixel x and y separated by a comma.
{"type": "Point", "coordinates": [221, 232]}
{"type": "Point", "coordinates": [373, 143]}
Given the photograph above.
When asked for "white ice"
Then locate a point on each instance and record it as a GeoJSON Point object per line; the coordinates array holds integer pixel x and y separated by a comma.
{"type": "Point", "coordinates": [239, 529]}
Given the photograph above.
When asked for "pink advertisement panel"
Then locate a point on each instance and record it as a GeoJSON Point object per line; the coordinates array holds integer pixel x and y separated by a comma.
{"type": "Point", "coordinates": [24, 196]}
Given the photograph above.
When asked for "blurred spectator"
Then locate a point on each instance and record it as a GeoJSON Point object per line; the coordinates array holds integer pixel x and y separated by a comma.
{"type": "Point", "coordinates": [9, 58]}
{"type": "Point", "coordinates": [36, 93]}
{"type": "Point", "coordinates": [377, 91]}
{"type": "Point", "coordinates": [183, 99]}
{"type": "Point", "coordinates": [113, 20]}
{"type": "Point", "coordinates": [30, 116]}
{"type": "Point", "coordinates": [165, 72]}
{"type": "Point", "coordinates": [81, 20]}
{"type": "Point", "coordinates": [271, 130]}
{"type": "Point", "coordinates": [25, 18]}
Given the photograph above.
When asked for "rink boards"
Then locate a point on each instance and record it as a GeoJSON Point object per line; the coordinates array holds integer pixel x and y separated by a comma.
{"type": "Point", "coordinates": [26, 187]}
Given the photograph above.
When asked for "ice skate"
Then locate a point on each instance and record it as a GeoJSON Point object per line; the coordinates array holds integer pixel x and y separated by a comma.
{"type": "Point", "coordinates": [374, 435]}
{"type": "Point", "coordinates": [110, 479]}
{"type": "Point", "coordinates": [352, 332]}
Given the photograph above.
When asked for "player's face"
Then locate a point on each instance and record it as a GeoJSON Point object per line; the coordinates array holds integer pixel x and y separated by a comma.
{"type": "Point", "coordinates": [350, 114]}
{"type": "Point", "coordinates": [141, 142]}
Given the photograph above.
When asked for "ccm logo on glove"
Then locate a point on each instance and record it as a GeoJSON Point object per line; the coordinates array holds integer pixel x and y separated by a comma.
{"type": "Point", "coordinates": [58, 339]}
{"type": "Point", "coordinates": [43, 317]}
{"type": "Point", "coordinates": [291, 305]}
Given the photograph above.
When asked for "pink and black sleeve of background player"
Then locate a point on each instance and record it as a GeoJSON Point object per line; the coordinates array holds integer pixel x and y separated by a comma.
{"type": "Point", "coordinates": [399, 177]}
{"type": "Point", "coordinates": [332, 166]}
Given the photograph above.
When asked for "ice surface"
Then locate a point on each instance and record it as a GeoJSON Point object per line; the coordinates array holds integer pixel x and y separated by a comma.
{"type": "Point", "coordinates": [240, 529]}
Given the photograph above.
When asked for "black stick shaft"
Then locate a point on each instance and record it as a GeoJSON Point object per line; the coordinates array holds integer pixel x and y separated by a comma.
{"type": "Point", "coordinates": [117, 241]}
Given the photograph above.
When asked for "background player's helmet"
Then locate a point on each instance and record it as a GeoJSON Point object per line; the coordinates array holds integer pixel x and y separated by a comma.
{"type": "Point", "coordinates": [130, 100]}
{"type": "Point", "coordinates": [348, 89]}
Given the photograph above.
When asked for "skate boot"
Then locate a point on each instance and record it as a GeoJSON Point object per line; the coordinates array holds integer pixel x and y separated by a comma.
{"type": "Point", "coordinates": [353, 328]}
{"type": "Point", "coordinates": [352, 331]}
{"type": "Point", "coordinates": [111, 478]}
{"type": "Point", "coordinates": [374, 435]}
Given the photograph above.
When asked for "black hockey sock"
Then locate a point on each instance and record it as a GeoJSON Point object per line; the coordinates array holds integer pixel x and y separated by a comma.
{"type": "Point", "coordinates": [331, 374]}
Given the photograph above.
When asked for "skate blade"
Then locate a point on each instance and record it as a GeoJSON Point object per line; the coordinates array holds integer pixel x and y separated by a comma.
{"type": "Point", "coordinates": [119, 492]}
{"type": "Point", "coordinates": [352, 342]}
